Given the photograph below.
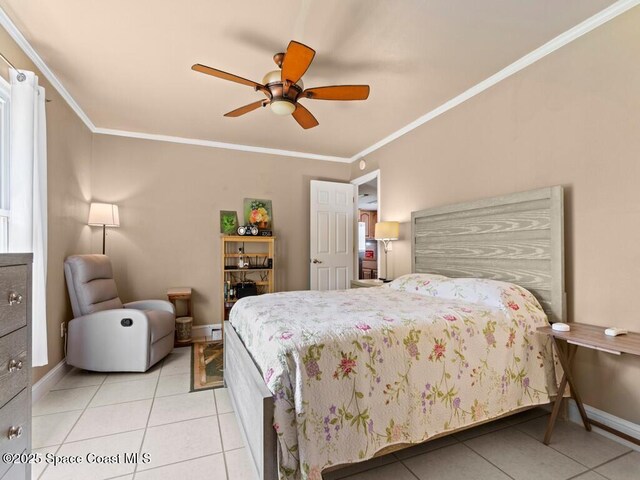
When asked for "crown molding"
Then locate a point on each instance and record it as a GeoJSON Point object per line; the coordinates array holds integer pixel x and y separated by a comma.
{"type": "Point", "coordinates": [609, 13]}
{"type": "Point", "coordinates": [214, 144]}
{"type": "Point", "coordinates": [26, 47]}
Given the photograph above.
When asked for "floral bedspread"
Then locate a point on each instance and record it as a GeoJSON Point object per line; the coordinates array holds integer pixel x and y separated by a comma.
{"type": "Point", "coordinates": [358, 370]}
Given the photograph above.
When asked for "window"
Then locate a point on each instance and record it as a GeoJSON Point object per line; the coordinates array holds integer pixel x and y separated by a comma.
{"type": "Point", "coordinates": [4, 166]}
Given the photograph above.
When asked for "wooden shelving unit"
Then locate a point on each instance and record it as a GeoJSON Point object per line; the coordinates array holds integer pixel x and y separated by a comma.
{"type": "Point", "coordinates": [256, 251]}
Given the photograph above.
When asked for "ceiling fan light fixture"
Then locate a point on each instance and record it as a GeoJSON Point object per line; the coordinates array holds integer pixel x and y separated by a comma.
{"type": "Point", "coordinates": [271, 77]}
{"type": "Point", "coordinates": [281, 91]}
{"type": "Point", "coordinates": [275, 76]}
{"type": "Point", "coordinates": [282, 107]}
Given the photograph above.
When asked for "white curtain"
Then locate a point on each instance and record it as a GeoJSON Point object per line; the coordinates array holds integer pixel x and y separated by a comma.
{"type": "Point", "coordinates": [28, 195]}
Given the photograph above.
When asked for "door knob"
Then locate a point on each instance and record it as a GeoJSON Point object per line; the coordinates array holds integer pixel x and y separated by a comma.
{"type": "Point", "coordinates": [315, 260]}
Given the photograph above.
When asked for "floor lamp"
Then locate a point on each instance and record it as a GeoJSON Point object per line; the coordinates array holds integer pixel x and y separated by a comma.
{"type": "Point", "coordinates": [386, 232]}
{"type": "Point", "coordinates": [104, 215]}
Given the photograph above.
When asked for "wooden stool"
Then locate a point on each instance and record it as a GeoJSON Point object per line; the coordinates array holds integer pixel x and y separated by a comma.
{"type": "Point", "coordinates": [184, 294]}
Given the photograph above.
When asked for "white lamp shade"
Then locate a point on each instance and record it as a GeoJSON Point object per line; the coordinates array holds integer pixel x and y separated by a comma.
{"type": "Point", "coordinates": [104, 214]}
{"type": "Point", "coordinates": [387, 231]}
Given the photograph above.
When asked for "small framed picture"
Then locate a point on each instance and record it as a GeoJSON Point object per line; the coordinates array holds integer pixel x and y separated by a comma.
{"type": "Point", "coordinates": [228, 222]}
{"type": "Point", "coordinates": [368, 254]}
{"type": "Point", "coordinates": [258, 212]}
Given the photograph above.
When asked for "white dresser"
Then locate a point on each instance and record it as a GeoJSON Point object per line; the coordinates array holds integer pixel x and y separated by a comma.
{"type": "Point", "coordinates": [15, 362]}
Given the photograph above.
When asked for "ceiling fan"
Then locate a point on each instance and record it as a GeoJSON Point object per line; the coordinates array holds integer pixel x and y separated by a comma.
{"type": "Point", "coordinates": [284, 87]}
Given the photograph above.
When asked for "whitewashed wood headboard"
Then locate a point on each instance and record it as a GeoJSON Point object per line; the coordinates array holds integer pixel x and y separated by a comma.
{"type": "Point", "coordinates": [516, 238]}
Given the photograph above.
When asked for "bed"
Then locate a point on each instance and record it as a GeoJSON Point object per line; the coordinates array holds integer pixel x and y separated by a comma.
{"type": "Point", "coordinates": [319, 379]}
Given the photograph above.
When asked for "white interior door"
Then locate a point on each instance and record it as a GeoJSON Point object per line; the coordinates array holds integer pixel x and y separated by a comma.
{"type": "Point", "coordinates": [332, 252]}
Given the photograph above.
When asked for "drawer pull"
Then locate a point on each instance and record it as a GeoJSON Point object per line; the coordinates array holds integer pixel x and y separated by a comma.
{"type": "Point", "coordinates": [15, 365]}
{"type": "Point", "coordinates": [15, 432]}
{"type": "Point", "coordinates": [15, 298]}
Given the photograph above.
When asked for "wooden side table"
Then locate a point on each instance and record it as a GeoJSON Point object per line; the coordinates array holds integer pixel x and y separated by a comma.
{"type": "Point", "coordinates": [180, 294]}
{"type": "Point", "coordinates": [587, 336]}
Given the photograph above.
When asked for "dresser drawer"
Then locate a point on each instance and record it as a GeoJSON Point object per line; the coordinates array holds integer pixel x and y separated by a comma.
{"type": "Point", "coordinates": [13, 298]}
{"type": "Point", "coordinates": [13, 415]}
{"type": "Point", "coordinates": [14, 368]}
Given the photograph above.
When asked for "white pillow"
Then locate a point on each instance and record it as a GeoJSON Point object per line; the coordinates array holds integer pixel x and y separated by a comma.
{"type": "Point", "coordinates": [493, 293]}
{"type": "Point", "coordinates": [416, 282]}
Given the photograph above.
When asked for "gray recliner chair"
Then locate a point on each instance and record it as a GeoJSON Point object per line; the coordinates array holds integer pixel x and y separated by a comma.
{"type": "Point", "coordinates": [107, 335]}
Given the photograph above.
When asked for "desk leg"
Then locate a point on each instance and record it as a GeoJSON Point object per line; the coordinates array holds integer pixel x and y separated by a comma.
{"type": "Point", "coordinates": [565, 362]}
{"type": "Point", "coordinates": [566, 366]}
{"type": "Point", "coordinates": [556, 410]}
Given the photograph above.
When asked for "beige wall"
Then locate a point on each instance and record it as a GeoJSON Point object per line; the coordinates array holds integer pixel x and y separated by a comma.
{"type": "Point", "coordinates": [170, 196]}
{"type": "Point", "coordinates": [571, 119]}
{"type": "Point", "coordinates": [69, 160]}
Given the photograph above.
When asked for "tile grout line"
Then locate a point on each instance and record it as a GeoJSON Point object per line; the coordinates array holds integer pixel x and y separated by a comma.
{"type": "Point", "coordinates": [87, 407]}
{"type": "Point", "coordinates": [456, 441]}
{"type": "Point", "coordinates": [578, 475]}
{"type": "Point", "coordinates": [428, 451]}
{"type": "Point", "coordinates": [487, 460]}
{"type": "Point", "coordinates": [566, 455]}
{"type": "Point", "coordinates": [224, 457]}
{"type": "Point", "coordinates": [407, 469]}
{"type": "Point", "coordinates": [612, 460]}
{"type": "Point", "coordinates": [99, 384]}
{"type": "Point", "coordinates": [172, 463]}
{"type": "Point", "coordinates": [396, 460]}
{"type": "Point", "coordinates": [96, 385]}
{"type": "Point", "coordinates": [498, 428]}
{"type": "Point", "coordinates": [117, 403]}
{"type": "Point", "coordinates": [142, 428]}
{"type": "Point", "coordinates": [136, 429]}
{"type": "Point", "coordinates": [74, 423]}
{"type": "Point", "coordinates": [146, 427]}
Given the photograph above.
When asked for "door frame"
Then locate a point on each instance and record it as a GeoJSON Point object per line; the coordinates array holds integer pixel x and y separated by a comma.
{"type": "Point", "coordinates": [366, 178]}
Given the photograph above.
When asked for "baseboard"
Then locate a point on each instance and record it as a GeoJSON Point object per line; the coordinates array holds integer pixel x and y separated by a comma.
{"type": "Point", "coordinates": [53, 376]}
{"type": "Point", "coordinates": [611, 421]}
{"type": "Point", "coordinates": [46, 383]}
{"type": "Point", "coordinates": [204, 330]}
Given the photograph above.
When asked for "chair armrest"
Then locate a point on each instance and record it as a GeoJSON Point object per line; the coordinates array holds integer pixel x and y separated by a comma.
{"type": "Point", "coordinates": [151, 305]}
{"type": "Point", "coordinates": [101, 341]}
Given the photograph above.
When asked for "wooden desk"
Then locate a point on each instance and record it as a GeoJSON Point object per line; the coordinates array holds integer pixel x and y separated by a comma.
{"type": "Point", "coordinates": [587, 336]}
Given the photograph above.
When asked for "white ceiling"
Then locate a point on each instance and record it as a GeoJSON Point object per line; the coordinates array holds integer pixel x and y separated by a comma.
{"type": "Point", "coordinates": [127, 64]}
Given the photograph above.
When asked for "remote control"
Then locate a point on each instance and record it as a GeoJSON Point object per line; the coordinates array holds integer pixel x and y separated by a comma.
{"type": "Point", "coordinates": [614, 332]}
{"type": "Point", "coordinates": [561, 327]}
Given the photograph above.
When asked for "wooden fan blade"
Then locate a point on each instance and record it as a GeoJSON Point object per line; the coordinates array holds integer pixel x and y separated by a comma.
{"type": "Point", "coordinates": [224, 75]}
{"type": "Point", "coordinates": [296, 61]}
{"type": "Point", "coordinates": [338, 92]}
{"type": "Point", "coordinates": [246, 109]}
{"type": "Point", "coordinates": [304, 117]}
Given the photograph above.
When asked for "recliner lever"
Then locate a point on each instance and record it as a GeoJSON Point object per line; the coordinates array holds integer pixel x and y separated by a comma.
{"type": "Point", "coordinates": [126, 322]}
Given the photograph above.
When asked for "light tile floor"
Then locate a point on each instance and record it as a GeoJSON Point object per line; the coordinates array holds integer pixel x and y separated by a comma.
{"type": "Point", "coordinates": [196, 436]}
